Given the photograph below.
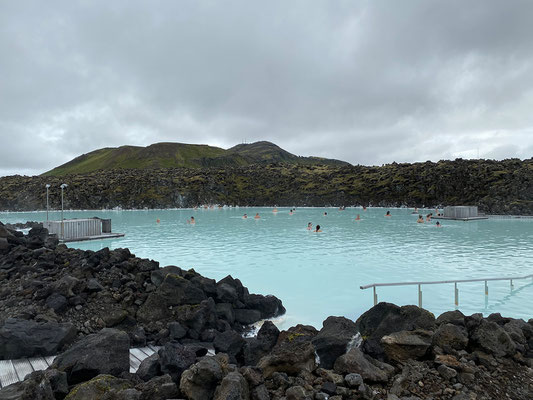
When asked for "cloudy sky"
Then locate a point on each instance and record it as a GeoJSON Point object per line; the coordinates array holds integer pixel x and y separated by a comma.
{"type": "Point", "coordinates": [369, 82]}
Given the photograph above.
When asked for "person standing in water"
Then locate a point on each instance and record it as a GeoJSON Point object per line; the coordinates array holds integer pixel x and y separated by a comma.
{"type": "Point", "coordinates": [358, 218]}
{"type": "Point", "coordinates": [309, 226]}
{"type": "Point", "coordinates": [420, 219]}
{"type": "Point", "coordinates": [257, 216]}
{"type": "Point", "coordinates": [245, 216]}
{"type": "Point", "coordinates": [318, 229]}
{"type": "Point", "coordinates": [388, 214]}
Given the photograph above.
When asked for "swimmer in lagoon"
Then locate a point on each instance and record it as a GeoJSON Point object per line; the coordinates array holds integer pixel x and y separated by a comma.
{"type": "Point", "coordinates": [438, 224]}
{"type": "Point", "coordinates": [157, 220]}
{"type": "Point", "coordinates": [364, 208]}
{"type": "Point", "coordinates": [388, 214]}
{"type": "Point", "coordinates": [275, 210]}
{"type": "Point", "coordinates": [420, 220]}
{"type": "Point", "coordinates": [245, 216]}
{"type": "Point", "coordinates": [358, 218]}
{"type": "Point", "coordinates": [325, 214]}
{"type": "Point", "coordinates": [257, 216]}
{"type": "Point", "coordinates": [290, 212]}
{"type": "Point", "coordinates": [193, 221]}
{"type": "Point", "coordinates": [309, 226]}
{"type": "Point", "coordinates": [428, 217]}
{"type": "Point", "coordinates": [318, 229]}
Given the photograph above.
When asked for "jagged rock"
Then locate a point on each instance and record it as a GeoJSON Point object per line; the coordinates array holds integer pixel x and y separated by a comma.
{"type": "Point", "coordinates": [21, 338]}
{"type": "Point", "coordinates": [105, 352]}
{"type": "Point", "coordinates": [159, 275]}
{"type": "Point", "coordinates": [295, 393]}
{"type": "Point", "coordinates": [149, 367]}
{"type": "Point", "coordinates": [247, 317]}
{"type": "Point", "coordinates": [154, 309]}
{"type": "Point", "coordinates": [356, 362]}
{"type": "Point", "coordinates": [93, 286]}
{"type": "Point", "coordinates": [231, 343]}
{"type": "Point", "coordinates": [158, 388]}
{"type": "Point", "coordinates": [256, 348]}
{"type": "Point", "coordinates": [201, 379]}
{"type": "Point", "coordinates": [269, 306]}
{"type": "Point", "coordinates": [492, 338]}
{"type": "Point", "coordinates": [36, 386]}
{"type": "Point", "coordinates": [517, 330]}
{"type": "Point", "coordinates": [447, 372]}
{"type": "Point", "coordinates": [176, 331]}
{"type": "Point", "coordinates": [405, 345]}
{"type": "Point", "coordinates": [353, 380]}
{"type": "Point", "coordinates": [98, 387]}
{"type": "Point", "coordinates": [225, 311]}
{"type": "Point", "coordinates": [174, 358]}
{"type": "Point", "coordinates": [450, 336]}
{"type": "Point", "coordinates": [386, 318]}
{"type": "Point", "coordinates": [232, 386]}
{"type": "Point", "coordinates": [57, 302]}
{"type": "Point", "coordinates": [289, 357]}
{"type": "Point", "coordinates": [332, 340]}
{"type": "Point", "coordinates": [178, 291]}
{"type": "Point", "coordinates": [454, 317]}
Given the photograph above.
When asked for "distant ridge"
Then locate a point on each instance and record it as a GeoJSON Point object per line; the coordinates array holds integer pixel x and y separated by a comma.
{"type": "Point", "coordinates": [181, 155]}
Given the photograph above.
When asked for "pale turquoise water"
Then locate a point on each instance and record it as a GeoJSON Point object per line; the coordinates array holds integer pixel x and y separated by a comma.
{"type": "Point", "coordinates": [319, 274]}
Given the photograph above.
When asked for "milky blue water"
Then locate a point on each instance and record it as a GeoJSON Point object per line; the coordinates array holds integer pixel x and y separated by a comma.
{"type": "Point", "coordinates": [319, 274]}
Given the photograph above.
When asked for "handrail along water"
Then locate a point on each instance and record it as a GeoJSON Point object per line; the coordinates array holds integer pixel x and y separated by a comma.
{"type": "Point", "coordinates": [454, 281]}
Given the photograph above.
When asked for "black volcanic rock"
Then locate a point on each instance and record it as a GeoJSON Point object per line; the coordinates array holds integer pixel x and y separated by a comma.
{"type": "Point", "coordinates": [27, 338]}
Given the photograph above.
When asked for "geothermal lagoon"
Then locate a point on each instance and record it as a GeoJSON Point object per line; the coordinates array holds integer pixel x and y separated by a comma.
{"type": "Point", "coordinates": [319, 274]}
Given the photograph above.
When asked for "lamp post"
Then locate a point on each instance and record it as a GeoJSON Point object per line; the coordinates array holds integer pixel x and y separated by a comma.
{"type": "Point", "coordinates": [47, 187]}
{"type": "Point", "coordinates": [63, 186]}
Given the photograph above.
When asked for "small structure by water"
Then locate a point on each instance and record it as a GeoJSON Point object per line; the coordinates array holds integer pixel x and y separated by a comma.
{"type": "Point", "coordinates": [461, 213]}
{"type": "Point", "coordinates": [75, 230]}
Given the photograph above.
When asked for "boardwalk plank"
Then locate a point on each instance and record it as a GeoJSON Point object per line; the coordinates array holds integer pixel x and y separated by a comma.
{"type": "Point", "coordinates": [38, 363]}
{"type": "Point", "coordinates": [22, 368]}
{"type": "Point", "coordinates": [8, 374]}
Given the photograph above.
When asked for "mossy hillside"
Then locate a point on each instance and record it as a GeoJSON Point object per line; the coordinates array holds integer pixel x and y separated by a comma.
{"type": "Point", "coordinates": [180, 155]}
{"type": "Point", "coordinates": [500, 187]}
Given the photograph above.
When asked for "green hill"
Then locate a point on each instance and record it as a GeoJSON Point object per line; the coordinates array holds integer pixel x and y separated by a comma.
{"type": "Point", "coordinates": [180, 155]}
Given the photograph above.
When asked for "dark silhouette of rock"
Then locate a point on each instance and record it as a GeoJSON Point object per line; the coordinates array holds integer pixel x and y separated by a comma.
{"type": "Point", "coordinates": [105, 352]}
{"type": "Point", "coordinates": [174, 358]}
{"type": "Point", "coordinates": [332, 340]}
{"type": "Point", "coordinates": [22, 338]}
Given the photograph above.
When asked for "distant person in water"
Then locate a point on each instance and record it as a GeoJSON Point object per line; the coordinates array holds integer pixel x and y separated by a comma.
{"type": "Point", "coordinates": [358, 218]}
{"type": "Point", "coordinates": [290, 212]}
{"type": "Point", "coordinates": [364, 208]}
{"type": "Point", "coordinates": [325, 214]}
{"type": "Point", "coordinates": [191, 221]}
{"type": "Point", "coordinates": [257, 216]}
{"type": "Point", "coordinates": [420, 219]}
{"type": "Point", "coordinates": [275, 210]}
{"type": "Point", "coordinates": [416, 210]}
{"type": "Point", "coordinates": [388, 214]}
{"type": "Point", "coordinates": [318, 229]}
{"type": "Point", "coordinates": [157, 220]}
{"type": "Point", "coordinates": [309, 226]}
{"type": "Point", "coordinates": [428, 217]}
{"type": "Point", "coordinates": [438, 225]}
{"type": "Point", "coordinates": [245, 216]}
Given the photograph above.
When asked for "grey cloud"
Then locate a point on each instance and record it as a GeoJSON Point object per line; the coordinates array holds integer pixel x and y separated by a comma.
{"type": "Point", "coordinates": [367, 82]}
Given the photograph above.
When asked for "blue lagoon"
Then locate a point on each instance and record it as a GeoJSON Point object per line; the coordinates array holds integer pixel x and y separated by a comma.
{"type": "Point", "coordinates": [319, 274]}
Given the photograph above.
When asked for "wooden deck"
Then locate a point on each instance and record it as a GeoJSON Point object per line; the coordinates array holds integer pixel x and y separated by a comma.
{"type": "Point", "coordinates": [12, 371]}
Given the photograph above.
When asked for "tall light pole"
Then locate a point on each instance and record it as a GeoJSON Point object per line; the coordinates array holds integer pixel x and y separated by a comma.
{"type": "Point", "coordinates": [63, 186]}
{"type": "Point", "coordinates": [47, 187]}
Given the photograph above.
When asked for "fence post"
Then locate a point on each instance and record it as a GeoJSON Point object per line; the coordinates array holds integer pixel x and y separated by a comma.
{"type": "Point", "coordinates": [486, 289]}
{"type": "Point", "coordinates": [419, 296]}
{"type": "Point", "coordinates": [375, 296]}
{"type": "Point", "coordinates": [456, 295]}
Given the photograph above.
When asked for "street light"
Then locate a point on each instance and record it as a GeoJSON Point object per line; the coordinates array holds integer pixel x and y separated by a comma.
{"type": "Point", "coordinates": [47, 187]}
{"type": "Point", "coordinates": [63, 186]}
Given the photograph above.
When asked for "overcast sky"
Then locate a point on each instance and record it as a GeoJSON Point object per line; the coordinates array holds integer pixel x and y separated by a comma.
{"type": "Point", "coordinates": [368, 82]}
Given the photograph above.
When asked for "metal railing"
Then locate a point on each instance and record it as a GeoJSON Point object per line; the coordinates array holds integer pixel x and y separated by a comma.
{"type": "Point", "coordinates": [455, 282]}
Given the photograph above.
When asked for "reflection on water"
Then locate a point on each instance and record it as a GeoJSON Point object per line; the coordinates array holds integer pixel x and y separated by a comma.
{"type": "Point", "coordinates": [319, 274]}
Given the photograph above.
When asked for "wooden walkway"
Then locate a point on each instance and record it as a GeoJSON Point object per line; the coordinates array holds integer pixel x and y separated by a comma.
{"type": "Point", "coordinates": [12, 371]}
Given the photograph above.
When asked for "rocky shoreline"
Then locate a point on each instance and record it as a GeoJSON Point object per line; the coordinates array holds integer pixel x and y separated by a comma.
{"type": "Point", "coordinates": [92, 307]}
{"type": "Point", "coordinates": [496, 187]}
